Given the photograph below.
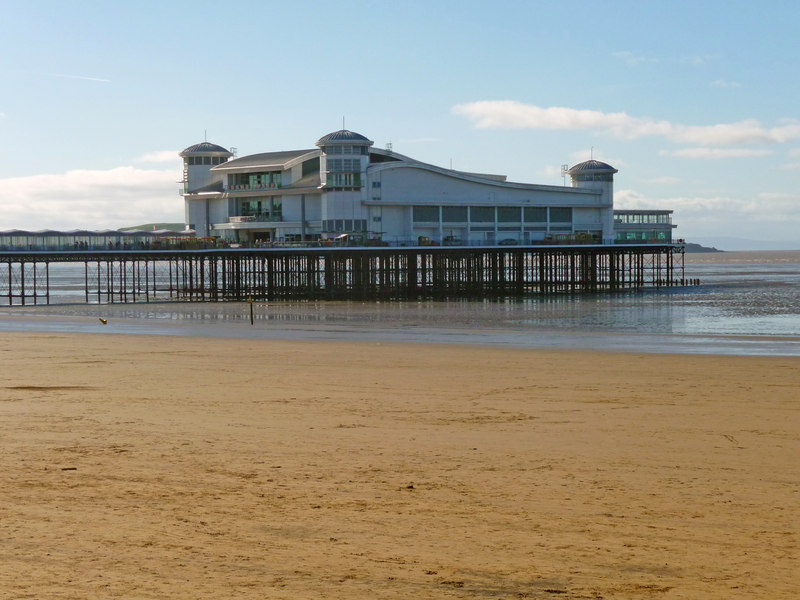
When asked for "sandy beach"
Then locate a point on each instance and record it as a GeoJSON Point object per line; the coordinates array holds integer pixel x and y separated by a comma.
{"type": "Point", "coordinates": [165, 467]}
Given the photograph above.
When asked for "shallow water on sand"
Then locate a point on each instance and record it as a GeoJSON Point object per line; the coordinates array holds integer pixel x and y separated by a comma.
{"type": "Point", "coordinates": [748, 303]}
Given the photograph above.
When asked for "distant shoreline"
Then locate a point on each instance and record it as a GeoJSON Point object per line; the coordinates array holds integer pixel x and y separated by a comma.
{"type": "Point", "coordinates": [691, 247]}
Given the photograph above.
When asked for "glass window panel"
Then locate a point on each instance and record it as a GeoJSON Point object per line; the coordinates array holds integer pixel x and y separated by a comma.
{"type": "Point", "coordinates": [508, 214]}
{"type": "Point", "coordinates": [426, 213]}
{"type": "Point", "coordinates": [454, 214]}
{"type": "Point", "coordinates": [561, 215]}
{"type": "Point", "coordinates": [535, 214]}
{"type": "Point", "coordinates": [482, 214]}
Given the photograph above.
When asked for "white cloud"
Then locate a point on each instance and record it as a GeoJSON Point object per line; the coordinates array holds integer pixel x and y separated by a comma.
{"type": "Point", "coordinates": [773, 207]}
{"type": "Point", "coordinates": [766, 208]}
{"type": "Point", "coordinates": [159, 156]}
{"type": "Point", "coordinates": [716, 153]}
{"type": "Point", "coordinates": [509, 114]}
{"type": "Point", "coordinates": [90, 199]}
{"type": "Point", "coordinates": [632, 200]}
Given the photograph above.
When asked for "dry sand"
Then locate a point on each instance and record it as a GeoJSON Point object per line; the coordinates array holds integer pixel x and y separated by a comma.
{"type": "Point", "coordinates": [138, 467]}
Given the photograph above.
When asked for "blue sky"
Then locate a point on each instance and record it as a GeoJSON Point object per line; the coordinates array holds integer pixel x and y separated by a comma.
{"type": "Point", "coordinates": [696, 103]}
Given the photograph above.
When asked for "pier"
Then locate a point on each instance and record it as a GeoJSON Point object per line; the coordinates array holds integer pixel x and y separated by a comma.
{"type": "Point", "coordinates": [352, 273]}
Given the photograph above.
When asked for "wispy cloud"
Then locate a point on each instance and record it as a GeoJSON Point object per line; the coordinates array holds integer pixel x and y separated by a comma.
{"type": "Point", "coordinates": [662, 180]}
{"type": "Point", "coordinates": [716, 153]}
{"type": "Point", "coordinates": [90, 199]}
{"type": "Point", "coordinates": [597, 154]}
{"type": "Point", "coordinates": [550, 172]}
{"type": "Point", "coordinates": [509, 114]}
{"type": "Point", "coordinates": [794, 165]}
{"type": "Point", "coordinates": [420, 140]}
{"type": "Point", "coordinates": [159, 156]}
{"type": "Point", "coordinates": [700, 59]}
{"type": "Point", "coordinates": [633, 60]}
{"type": "Point", "coordinates": [722, 83]}
{"type": "Point", "coordinates": [82, 77]}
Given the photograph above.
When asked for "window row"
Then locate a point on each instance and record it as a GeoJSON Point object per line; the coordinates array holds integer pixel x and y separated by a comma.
{"type": "Point", "coordinates": [362, 150]}
{"type": "Point", "coordinates": [344, 225]}
{"type": "Point", "coordinates": [255, 181]}
{"type": "Point", "coordinates": [261, 209]}
{"type": "Point", "coordinates": [206, 160]}
{"type": "Point", "coordinates": [594, 177]}
{"type": "Point", "coordinates": [344, 164]}
{"type": "Point", "coordinates": [347, 180]}
{"type": "Point", "coordinates": [492, 214]}
{"type": "Point", "coordinates": [643, 218]}
{"type": "Point", "coordinates": [656, 235]}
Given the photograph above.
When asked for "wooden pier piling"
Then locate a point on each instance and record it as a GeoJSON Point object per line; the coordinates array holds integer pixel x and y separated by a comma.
{"type": "Point", "coordinates": [343, 273]}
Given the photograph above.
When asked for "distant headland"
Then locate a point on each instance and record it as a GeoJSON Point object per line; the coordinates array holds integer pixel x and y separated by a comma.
{"type": "Point", "coordinates": [691, 247]}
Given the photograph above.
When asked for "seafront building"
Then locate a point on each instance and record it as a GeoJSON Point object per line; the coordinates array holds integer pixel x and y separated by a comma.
{"type": "Point", "coordinates": [346, 189]}
{"type": "Point", "coordinates": [451, 234]}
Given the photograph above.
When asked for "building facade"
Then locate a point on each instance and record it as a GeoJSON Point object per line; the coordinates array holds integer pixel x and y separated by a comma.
{"type": "Point", "coordinates": [643, 226]}
{"type": "Point", "coordinates": [347, 188]}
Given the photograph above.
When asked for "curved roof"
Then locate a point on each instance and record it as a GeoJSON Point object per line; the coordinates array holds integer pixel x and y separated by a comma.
{"type": "Point", "coordinates": [593, 166]}
{"type": "Point", "coordinates": [265, 160]}
{"type": "Point", "coordinates": [205, 148]}
{"type": "Point", "coordinates": [343, 136]}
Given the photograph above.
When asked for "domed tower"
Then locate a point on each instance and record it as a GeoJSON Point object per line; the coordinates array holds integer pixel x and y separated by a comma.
{"type": "Point", "coordinates": [599, 176]}
{"type": "Point", "coordinates": [197, 163]}
{"type": "Point", "coordinates": [344, 160]}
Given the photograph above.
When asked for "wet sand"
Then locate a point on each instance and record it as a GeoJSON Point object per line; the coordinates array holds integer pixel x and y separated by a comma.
{"type": "Point", "coordinates": [167, 467]}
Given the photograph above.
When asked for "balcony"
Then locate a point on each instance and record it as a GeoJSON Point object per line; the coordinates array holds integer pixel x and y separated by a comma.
{"type": "Point", "coordinates": [255, 218]}
{"type": "Point", "coordinates": [244, 187]}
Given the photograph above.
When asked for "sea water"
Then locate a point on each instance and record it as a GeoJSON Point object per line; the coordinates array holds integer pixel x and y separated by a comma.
{"type": "Point", "coordinates": [747, 303]}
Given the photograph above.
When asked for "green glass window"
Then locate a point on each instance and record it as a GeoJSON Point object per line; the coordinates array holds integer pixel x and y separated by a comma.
{"type": "Point", "coordinates": [454, 214]}
{"type": "Point", "coordinates": [426, 214]}
{"type": "Point", "coordinates": [481, 214]}
{"type": "Point", "coordinates": [535, 214]}
{"type": "Point", "coordinates": [561, 215]}
{"type": "Point", "coordinates": [508, 214]}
